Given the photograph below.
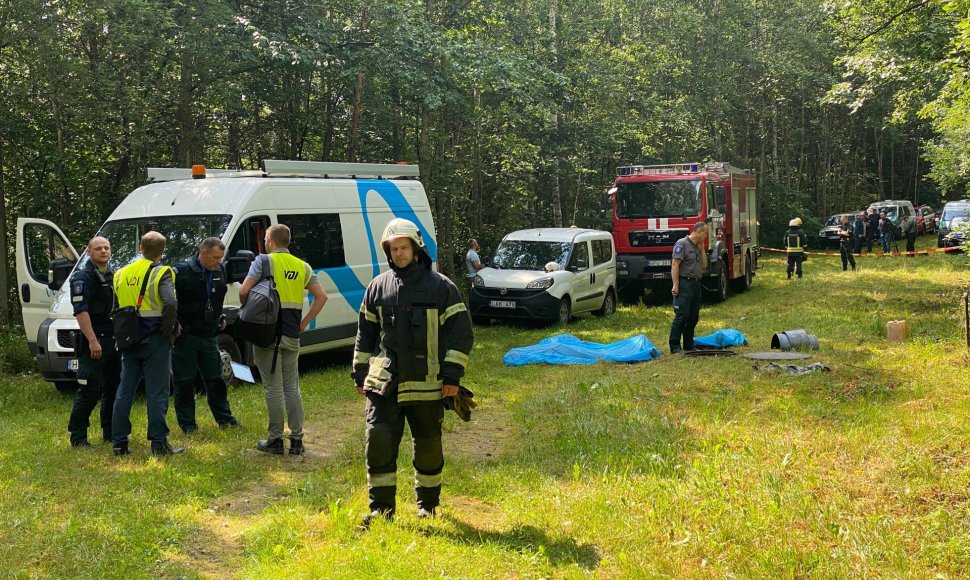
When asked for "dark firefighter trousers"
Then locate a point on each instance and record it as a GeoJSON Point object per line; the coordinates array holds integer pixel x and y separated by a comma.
{"type": "Point", "coordinates": [102, 377]}
{"type": "Point", "coordinates": [385, 428]}
{"type": "Point", "coordinates": [687, 311]}
{"type": "Point", "coordinates": [795, 263]}
{"type": "Point", "coordinates": [194, 354]}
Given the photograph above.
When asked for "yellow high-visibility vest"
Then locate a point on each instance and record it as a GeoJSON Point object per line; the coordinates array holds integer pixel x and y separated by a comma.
{"type": "Point", "coordinates": [127, 284]}
{"type": "Point", "coordinates": [291, 277]}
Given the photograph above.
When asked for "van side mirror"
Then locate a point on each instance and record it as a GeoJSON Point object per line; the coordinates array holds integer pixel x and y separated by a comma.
{"type": "Point", "coordinates": [238, 266]}
{"type": "Point", "coordinates": [58, 272]}
{"type": "Point", "coordinates": [579, 265]}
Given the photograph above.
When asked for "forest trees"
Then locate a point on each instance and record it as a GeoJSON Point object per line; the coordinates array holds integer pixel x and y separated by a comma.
{"type": "Point", "coordinates": [517, 111]}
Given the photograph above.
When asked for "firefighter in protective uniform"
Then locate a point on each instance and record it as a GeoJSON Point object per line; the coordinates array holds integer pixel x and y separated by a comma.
{"type": "Point", "coordinates": [413, 340]}
{"type": "Point", "coordinates": [795, 242]}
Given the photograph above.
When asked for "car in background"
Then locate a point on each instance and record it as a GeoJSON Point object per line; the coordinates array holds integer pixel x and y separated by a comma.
{"type": "Point", "coordinates": [828, 236]}
{"type": "Point", "coordinates": [952, 210]}
{"type": "Point", "coordinates": [896, 210]}
{"type": "Point", "coordinates": [547, 274]}
{"type": "Point", "coordinates": [956, 237]}
{"type": "Point", "coordinates": [925, 220]}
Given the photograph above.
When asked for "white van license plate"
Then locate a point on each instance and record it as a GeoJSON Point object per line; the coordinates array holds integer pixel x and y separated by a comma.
{"type": "Point", "coordinates": [72, 364]}
{"type": "Point", "coordinates": [502, 303]}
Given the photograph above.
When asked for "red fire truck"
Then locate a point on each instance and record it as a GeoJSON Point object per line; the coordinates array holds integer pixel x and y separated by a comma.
{"type": "Point", "coordinates": [656, 205]}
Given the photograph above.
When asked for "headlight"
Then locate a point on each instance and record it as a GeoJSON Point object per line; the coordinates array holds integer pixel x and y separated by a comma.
{"type": "Point", "coordinates": [478, 281]}
{"type": "Point", "coordinates": [540, 283]}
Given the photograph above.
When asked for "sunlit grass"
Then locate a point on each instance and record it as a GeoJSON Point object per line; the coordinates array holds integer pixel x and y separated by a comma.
{"type": "Point", "coordinates": [681, 466]}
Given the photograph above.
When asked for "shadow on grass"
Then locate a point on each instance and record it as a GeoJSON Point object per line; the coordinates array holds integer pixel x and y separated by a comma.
{"type": "Point", "coordinates": [523, 539]}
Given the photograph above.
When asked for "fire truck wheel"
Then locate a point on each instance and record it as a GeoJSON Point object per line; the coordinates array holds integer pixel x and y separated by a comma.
{"type": "Point", "coordinates": [631, 292]}
{"type": "Point", "coordinates": [721, 290]}
{"type": "Point", "coordinates": [744, 282]}
{"type": "Point", "coordinates": [609, 304]}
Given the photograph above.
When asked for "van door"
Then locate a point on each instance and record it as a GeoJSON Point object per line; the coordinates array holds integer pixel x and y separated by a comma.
{"type": "Point", "coordinates": [38, 243]}
{"type": "Point", "coordinates": [584, 293]}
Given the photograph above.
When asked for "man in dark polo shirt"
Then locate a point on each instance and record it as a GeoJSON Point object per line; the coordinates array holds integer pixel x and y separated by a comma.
{"type": "Point", "coordinates": [688, 263]}
{"type": "Point", "coordinates": [99, 364]}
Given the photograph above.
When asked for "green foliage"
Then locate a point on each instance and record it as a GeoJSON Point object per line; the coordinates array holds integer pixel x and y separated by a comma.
{"type": "Point", "coordinates": [15, 358]}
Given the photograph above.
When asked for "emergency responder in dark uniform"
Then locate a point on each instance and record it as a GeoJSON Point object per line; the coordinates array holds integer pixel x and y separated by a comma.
{"type": "Point", "coordinates": [99, 364]}
{"type": "Point", "coordinates": [795, 242]}
{"type": "Point", "coordinates": [200, 287]}
{"type": "Point", "coordinates": [413, 340]}
{"type": "Point", "coordinates": [152, 357]}
{"type": "Point", "coordinates": [846, 235]}
{"type": "Point", "coordinates": [909, 230]}
{"type": "Point", "coordinates": [688, 263]}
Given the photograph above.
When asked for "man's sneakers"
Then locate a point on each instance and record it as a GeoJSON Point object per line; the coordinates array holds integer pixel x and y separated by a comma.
{"type": "Point", "coordinates": [160, 448]}
{"type": "Point", "coordinates": [120, 449]}
{"type": "Point", "coordinates": [232, 422]}
{"type": "Point", "coordinates": [274, 446]}
{"type": "Point", "coordinates": [425, 513]}
{"type": "Point", "coordinates": [81, 443]}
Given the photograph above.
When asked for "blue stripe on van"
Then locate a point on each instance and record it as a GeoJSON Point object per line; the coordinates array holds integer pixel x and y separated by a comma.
{"type": "Point", "coordinates": [399, 206]}
{"type": "Point", "coordinates": [343, 277]}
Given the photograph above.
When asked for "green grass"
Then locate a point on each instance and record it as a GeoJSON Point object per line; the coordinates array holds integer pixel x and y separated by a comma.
{"type": "Point", "coordinates": [703, 467]}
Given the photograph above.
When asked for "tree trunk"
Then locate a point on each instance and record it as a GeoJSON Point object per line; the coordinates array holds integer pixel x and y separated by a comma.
{"type": "Point", "coordinates": [554, 134]}
{"type": "Point", "coordinates": [186, 124]}
{"type": "Point", "coordinates": [354, 146]}
{"type": "Point", "coordinates": [4, 283]}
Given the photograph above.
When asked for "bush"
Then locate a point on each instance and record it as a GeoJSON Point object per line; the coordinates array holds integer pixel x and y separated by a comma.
{"type": "Point", "coordinates": [15, 357]}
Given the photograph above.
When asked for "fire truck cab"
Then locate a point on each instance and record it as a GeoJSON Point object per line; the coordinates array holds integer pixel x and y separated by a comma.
{"type": "Point", "coordinates": [653, 206]}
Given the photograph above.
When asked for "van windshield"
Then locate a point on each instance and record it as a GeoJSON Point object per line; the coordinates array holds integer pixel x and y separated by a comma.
{"type": "Point", "coordinates": [530, 255]}
{"type": "Point", "coordinates": [658, 199]}
{"type": "Point", "coordinates": [184, 233]}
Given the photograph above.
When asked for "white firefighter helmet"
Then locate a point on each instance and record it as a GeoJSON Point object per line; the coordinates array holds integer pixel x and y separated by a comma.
{"type": "Point", "coordinates": [798, 221]}
{"type": "Point", "coordinates": [793, 224]}
{"type": "Point", "coordinates": [402, 228]}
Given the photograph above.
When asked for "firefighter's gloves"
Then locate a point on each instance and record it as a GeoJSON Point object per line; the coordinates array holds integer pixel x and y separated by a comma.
{"type": "Point", "coordinates": [462, 403]}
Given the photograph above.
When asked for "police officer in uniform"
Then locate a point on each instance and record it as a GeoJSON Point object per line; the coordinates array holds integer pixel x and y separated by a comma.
{"type": "Point", "coordinates": [413, 340]}
{"type": "Point", "coordinates": [200, 286]}
{"type": "Point", "coordinates": [846, 235]}
{"type": "Point", "coordinates": [293, 277]}
{"type": "Point", "coordinates": [795, 242]}
{"type": "Point", "coordinates": [153, 356]}
{"type": "Point", "coordinates": [689, 261]}
{"type": "Point", "coordinates": [99, 364]}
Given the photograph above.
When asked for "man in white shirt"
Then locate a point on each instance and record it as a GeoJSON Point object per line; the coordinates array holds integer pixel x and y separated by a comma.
{"type": "Point", "coordinates": [472, 262]}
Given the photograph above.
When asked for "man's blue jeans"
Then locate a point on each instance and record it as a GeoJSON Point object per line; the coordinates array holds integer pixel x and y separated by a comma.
{"type": "Point", "coordinates": [884, 238]}
{"type": "Point", "coordinates": [154, 360]}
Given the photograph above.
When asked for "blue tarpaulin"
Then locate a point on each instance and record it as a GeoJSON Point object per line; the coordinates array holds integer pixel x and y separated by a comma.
{"type": "Point", "coordinates": [566, 349]}
{"type": "Point", "coordinates": [721, 339]}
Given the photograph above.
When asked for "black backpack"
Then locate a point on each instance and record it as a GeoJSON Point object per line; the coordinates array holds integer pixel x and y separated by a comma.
{"type": "Point", "coordinates": [259, 318]}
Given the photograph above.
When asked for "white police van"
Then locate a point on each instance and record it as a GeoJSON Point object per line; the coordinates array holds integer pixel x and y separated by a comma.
{"type": "Point", "coordinates": [336, 212]}
{"type": "Point", "coordinates": [547, 274]}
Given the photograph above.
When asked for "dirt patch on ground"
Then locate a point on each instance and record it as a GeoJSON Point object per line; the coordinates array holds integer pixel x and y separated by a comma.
{"type": "Point", "coordinates": [482, 439]}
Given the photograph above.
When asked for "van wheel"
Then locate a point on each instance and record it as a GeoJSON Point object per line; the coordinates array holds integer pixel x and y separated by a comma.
{"type": "Point", "coordinates": [228, 354]}
{"type": "Point", "coordinates": [609, 304]}
{"type": "Point", "coordinates": [565, 312]}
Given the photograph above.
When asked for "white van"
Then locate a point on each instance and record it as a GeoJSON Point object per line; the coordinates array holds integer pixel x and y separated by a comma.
{"type": "Point", "coordinates": [547, 274]}
{"type": "Point", "coordinates": [336, 212]}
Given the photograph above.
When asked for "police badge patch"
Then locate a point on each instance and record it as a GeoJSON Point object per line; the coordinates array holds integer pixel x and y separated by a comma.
{"type": "Point", "coordinates": [678, 249]}
{"type": "Point", "coordinates": [77, 289]}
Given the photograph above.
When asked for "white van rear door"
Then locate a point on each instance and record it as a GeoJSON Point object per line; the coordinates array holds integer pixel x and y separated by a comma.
{"type": "Point", "coordinates": [38, 242]}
